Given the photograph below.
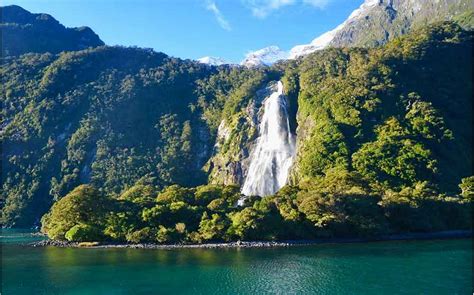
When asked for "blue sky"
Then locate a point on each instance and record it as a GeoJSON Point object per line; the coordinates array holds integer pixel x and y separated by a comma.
{"type": "Point", "coordinates": [196, 28]}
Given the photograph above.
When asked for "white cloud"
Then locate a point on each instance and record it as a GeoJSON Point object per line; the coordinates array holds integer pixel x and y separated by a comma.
{"type": "Point", "coordinates": [211, 6]}
{"type": "Point", "coordinates": [317, 3]}
{"type": "Point", "coordinates": [262, 8]}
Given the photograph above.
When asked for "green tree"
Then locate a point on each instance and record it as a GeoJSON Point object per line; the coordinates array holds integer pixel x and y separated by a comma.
{"type": "Point", "coordinates": [83, 233]}
{"type": "Point", "coordinates": [84, 206]}
{"type": "Point", "coordinates": [212, 227]}
{"type": "Point", "coordinates": [467, 188]}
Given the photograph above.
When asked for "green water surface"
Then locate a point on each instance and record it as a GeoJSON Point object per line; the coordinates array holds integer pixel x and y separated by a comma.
{"type": "Point", "coordinates": [411, 267]}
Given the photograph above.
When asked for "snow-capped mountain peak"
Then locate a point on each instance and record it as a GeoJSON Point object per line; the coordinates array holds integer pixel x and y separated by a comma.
{"type": "Point", "coordinates": [214, 61]}
{"type": "Point", "coordinates": [264, 56]}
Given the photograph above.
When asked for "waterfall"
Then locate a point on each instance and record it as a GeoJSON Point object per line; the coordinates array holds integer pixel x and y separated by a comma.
{"type": "Point", "coordinates": [273, 154]}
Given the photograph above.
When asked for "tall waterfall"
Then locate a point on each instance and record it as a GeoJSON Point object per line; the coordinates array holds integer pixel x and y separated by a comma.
{"type": "Point", "coordinates": [273, 154]}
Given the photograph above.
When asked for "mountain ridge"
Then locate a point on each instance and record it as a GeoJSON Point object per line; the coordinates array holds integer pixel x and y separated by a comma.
{"type": "Point", "coordinates": [25, 32]}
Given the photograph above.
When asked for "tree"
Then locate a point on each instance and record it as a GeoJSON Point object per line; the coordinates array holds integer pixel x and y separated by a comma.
{"type": "Point", "coordinates": [245, 224]}
{"type": "Point", "coordinates": [467, 188]}
{"type": "Point", "coordinates": [84, 206]}
{"type": "Point", "coordinates": [165, 235]}
{"type": "Point", "coordinates": [139, 236]}
{"type": "Point", "coordinates": [206, 193]}
{"type": "Point", "coordinates": [140, 194]}
{"type": "Point", "coordinates": [175, 193]}
{"type": "Point", "coordinates": [83, 233]}
{"type": "Point", "coordinates": [394, 158]}
{"type": "Point", "coordinates": [425, 120]}
{"type": "Point", "coordinates": [212, 227]}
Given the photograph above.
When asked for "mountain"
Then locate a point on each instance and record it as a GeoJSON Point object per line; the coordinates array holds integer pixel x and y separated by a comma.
{"type": "Point", "coordinates": [376, 22]}
{"type": "Point", "coordinates": [319, 43]}
{"type": "Point", "coordinates": [214, 61]}
{"type": "Point", "coordinates": [25, 32]}
{"type": "Point", "coordinates": [117, 118]}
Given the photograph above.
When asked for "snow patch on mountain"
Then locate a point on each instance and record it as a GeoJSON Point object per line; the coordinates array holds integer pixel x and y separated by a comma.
{"type": "Point", "coordinates": [363, 9]}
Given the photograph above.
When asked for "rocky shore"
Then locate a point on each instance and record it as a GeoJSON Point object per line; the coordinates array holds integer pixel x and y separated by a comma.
{"type": "Point", "coordinates": [259, 244]}
{"type": "Point", "coordinates": [238, 244]}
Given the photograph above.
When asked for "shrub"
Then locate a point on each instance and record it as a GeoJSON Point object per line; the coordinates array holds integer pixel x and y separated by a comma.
{"type": "Point", "coordinates": [165, 235]}
{"type": "Point", "coordinates": [139, 236]}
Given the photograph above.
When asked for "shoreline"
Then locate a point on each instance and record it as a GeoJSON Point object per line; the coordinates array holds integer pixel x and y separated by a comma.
{"type": "Point", "coordinates": [453, 234]}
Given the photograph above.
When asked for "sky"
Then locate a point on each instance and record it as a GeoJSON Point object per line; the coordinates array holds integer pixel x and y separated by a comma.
{"type": "Point", "coordinates": [195, 28]}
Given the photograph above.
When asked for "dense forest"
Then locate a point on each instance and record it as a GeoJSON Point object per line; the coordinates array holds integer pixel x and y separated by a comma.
{"type": "Point", "coordinates": [123, 144]}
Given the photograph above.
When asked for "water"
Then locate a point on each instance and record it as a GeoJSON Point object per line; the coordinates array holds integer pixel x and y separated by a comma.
{"type": "Point", "coordinates": [273, 155]}
{"type": "Point", "coordinates": [415, 267]}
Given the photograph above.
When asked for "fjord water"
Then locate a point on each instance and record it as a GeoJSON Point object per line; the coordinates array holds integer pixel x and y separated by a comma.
{"type": "Point", "coordinates": [273, 154]}
{"type": "Point", "coordinates": [411, 267]}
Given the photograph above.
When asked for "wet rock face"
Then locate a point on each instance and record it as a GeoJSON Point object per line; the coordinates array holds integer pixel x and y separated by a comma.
{"type": "Point", "coordinates": [229, 161]}
{"type": "Point", "coordinates": [203, 147]}
{"type": "Point", "coordinates": [234, 173]}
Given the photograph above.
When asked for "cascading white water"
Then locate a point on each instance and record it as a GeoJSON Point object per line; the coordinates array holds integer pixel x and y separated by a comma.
{"type": "Point", "coordinates": [273, 154]}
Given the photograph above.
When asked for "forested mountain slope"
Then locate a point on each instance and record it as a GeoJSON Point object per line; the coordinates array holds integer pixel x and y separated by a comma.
{"type": "Point", "coordinates": [108, 116]}
{"type": "Point", "coordinates": [344, 98]}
